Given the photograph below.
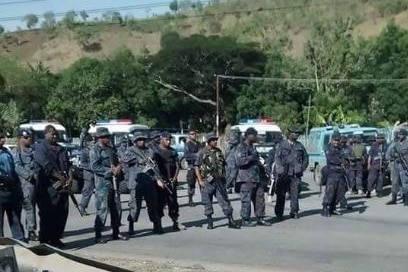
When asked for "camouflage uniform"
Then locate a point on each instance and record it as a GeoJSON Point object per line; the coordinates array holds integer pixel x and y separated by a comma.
{"type": "Point", "coordinates": [394, 174]}
{"type": "Point", "coordinates": [190, 153]}
{"type": "Point", "coordinates": [211, 163]}
{"type": "Point", "coordinates": [401, 154]}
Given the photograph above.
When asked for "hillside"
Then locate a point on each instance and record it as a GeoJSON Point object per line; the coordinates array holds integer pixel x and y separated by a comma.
{"type": "Point", "coordinates": [265, 21]}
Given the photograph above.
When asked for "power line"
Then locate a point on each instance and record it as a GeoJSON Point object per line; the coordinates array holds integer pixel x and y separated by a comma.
{"type": "Point", "coordinates": [9, 3]}
{"type": "Point", "coordinates": [322, 80]}
{"type": "Point", "coordinates": [145, 6]}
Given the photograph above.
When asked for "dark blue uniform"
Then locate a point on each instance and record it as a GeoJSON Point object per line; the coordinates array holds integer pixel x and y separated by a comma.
{"type": "Point", "coordinates": [191, 149]}
{"type": "Point", "coordinates": [376, 171]}
{"type": "Point", "coordinates": [336, 181]}
{"type": "Point", "coordinates": [291, 160]}
{"type": "Point", "coordinates": [51, 162]}
{"type": "Point", "coordinates": [10, 195]}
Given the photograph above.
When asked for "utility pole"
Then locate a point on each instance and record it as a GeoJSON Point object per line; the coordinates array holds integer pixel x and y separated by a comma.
{"type": "Point", "coordinates": [217, 118]}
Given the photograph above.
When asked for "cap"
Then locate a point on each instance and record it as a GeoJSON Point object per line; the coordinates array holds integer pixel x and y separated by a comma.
{"type": "Point", "coordinates": [155, 134]}
{"type": "Point", "coordinates": [165, 135]}
{"type": "Point", "coordinates": [139, 135]}
{"type": "Point", "coordinates": [336, 136]}
{"type": "Point", "coordinates": [88, 137]}
{"type": "Point", "coordinates": [210, 136]}
{"type": "Point", "coordinates": [295, 129]}
{"type": "Point", "coordinates": [251, 131]}
{"type": "Point", "coordinates": [24, 133]}
{"type": "Point", "coordinates": [102, 132]}
{"type": "Point", "coordinates": [403, 131]}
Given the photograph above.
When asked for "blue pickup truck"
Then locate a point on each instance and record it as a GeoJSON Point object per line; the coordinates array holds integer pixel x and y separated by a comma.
{"type": "Point", "coordinates": [319, 137]}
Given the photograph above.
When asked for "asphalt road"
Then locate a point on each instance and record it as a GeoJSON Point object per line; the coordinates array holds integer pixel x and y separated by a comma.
{"type": "Point", "coordinates": [371, 237]}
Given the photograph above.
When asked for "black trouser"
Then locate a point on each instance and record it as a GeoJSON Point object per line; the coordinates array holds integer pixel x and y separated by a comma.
{"type": "Point", "coordinates": [284, 185]}
{"type": "Point", "coordinates": [13, 211]}
{"type": "Point", "coordinates": [335, 189]}
{"type": "Point", "coordinates": [168, 196]}
{"type": "Point", "coordinates": [375, 179]}
{"type": "Point", "coordinates": [255, 193]}
{"type": "Point", "coordinates": [191, 180]}
{"type": "Point", "coordinates": [144, 189]}
{"type": "Point", "coordinates": [53, 213]}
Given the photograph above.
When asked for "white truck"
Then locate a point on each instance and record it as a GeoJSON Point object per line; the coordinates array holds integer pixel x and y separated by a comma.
{"type": "Point", "coordinates": [268, 133]}
{"type": "Point", "coordinates": [119, 128]}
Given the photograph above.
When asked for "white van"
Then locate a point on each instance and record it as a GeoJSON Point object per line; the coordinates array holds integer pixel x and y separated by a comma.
{"type": "Point", "coordinates": [119, 128]}
{"type": "Point", "coordinates": [268, 132]}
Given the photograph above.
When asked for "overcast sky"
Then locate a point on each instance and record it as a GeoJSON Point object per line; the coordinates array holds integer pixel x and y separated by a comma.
{"type": "Point", "coordinates": [19, 8]}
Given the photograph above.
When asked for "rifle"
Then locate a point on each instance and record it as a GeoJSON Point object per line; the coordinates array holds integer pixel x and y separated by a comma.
{"type": "Point", "coordinates": [151, 165]}
{"type": "Point", "coordinates": [403, 163]}
{"type": "Point", "coordinates": [64, 186]}
{"type": "Point", "coordinates": [272, 185]}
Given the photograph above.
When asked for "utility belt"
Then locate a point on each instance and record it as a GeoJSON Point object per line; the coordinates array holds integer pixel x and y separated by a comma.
{"type": "Point", "coordinates": [6, 183]}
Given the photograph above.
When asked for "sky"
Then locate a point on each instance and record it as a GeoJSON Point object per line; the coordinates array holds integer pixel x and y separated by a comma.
{"type": "Point", "coordinates": [19, 8]}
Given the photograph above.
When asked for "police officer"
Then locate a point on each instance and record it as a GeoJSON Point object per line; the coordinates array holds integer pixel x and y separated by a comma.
{"type": "Point", "coordinates": [168, 164]}
{"type": "Point", "coordinates": [249, 181]}
{"type": "Point", "coordinates": [348, 154]}
{"type": "Point", "coordinates": [51, 167]}
{"type": "Point", "coordinates": [394, 174]}
{"type": "Point", "coordinates": [142, 183]}
{"type": "Point", "coordinates": [191, 149]}
{"type": "Point", "coordinates": [376, 162]}
{"type": "Point", "coordinates": [122, 147]}
{"type": "Point", "coordinates": [357, 162]}
{"type": "Point", "coordinates": [87, 174]}
{"type": "Point", "coordinates": [24, 163]}
{"type": "Point", "coordinates": [210, 170]}
{"type": "Point", "coordinates": [230, 159]}
{"type": "Point", "coordinates": [106, 167]}
{"type": "Point", "coordinates": [291, 159]}
{"type": "Point", "coordinates": [154, 142]}
{"type": "Point", "coordinates": [10, 193]}
{"type": "Point", "coordinates": [336, 182]}
{"type": "Point", "coordinates": [401, 155]}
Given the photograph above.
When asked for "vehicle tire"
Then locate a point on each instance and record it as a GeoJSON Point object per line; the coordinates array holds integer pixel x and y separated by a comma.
{"type": "Point", "coordinates": [317, 174]}
{"type": "Point", "coordinates": [123, 188]}
{"type": "Point", "coordinates": [183, 164]}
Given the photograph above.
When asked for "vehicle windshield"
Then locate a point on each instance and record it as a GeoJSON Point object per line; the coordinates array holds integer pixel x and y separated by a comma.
{"type": "Point", "coordinates": [366, 137]}
{"type": "Point", "coordinates": [270, 137]}
{"type": "Point", "coordinates": [61, 138]}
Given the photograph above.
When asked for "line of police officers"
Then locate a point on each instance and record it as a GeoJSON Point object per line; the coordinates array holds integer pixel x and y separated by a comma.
{"type": "Point", "coordinates": [41, 176]}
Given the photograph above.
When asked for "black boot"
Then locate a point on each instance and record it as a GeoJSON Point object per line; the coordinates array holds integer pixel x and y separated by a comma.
{"type": "Point", "coordinates": [405, 200]}
{"type": "Point", "coordinates": [326, 212]}
{"type": "Point", "coordinates": [99, 239]}
{"type": "Point", "coordinates": [210, 222]}
{"type": "Point", "coordinates": [190, 201]}
{"type": "Point", "coordinates": [247, 223]}
{"type": "Point", "coordinates": [393, 200]}
{"type": "Point", "coordinates": [232, 224]}
{"type": "Point", "coordinates": [261, 222]}
{"type": "Point", "coordinates": [157, 228]}
{"type": "Point", "coordinates": [131, 230]}
{"type": "Point", "coordinates": [32, 236]}
{"type": "Point", "coordinates": [117, 236]}
{"type": "Point", "coordinates": [368, 195]}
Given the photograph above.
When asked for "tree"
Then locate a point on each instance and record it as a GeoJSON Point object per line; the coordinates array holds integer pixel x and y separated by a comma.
{"type": "Point", "coordinates": [174, 6]}
{"type": "Point", "coordinates": [1, 29]}
{"type": "Point", "coordinates": [84, 15]}
{"type": "Point", "coordinates": [49, 24]}
{"type": "Point", "coordinates": [31, 20]}
{"type": "Point", "coordinates": [186, 69]}
{"type": "Point", "coordinates": [69, 19]}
